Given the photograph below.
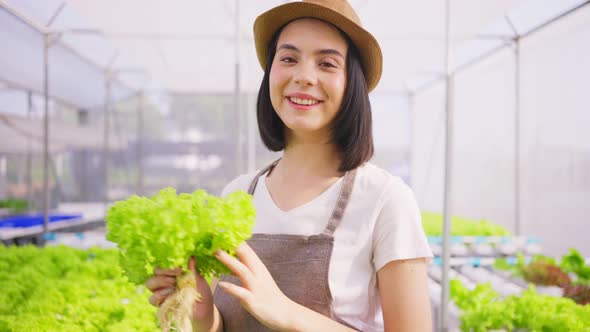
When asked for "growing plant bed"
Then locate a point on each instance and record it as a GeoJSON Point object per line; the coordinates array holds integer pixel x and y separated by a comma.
{"type": "Point", "coordinates": [66, 289]}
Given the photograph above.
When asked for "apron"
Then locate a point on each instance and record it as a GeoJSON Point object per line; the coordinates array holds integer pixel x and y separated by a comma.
{"type": "Point", "coordinates": [299, 265]}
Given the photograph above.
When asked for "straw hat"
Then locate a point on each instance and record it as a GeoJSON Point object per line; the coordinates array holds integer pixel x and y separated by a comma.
{"type": "Point", "coordinates": [336, 12]}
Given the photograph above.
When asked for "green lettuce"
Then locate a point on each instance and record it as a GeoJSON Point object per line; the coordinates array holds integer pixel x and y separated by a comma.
{"type": "Point", "coordinates": [432, 223]}
{"type": "Point", "coordinates": [575, 263]}
{"type": "Point", "coordinates": [66, 289]}
{"type": "Point", "coordinates": [483, 309]}
{"type": "Point", "coordinates": [166, 230]}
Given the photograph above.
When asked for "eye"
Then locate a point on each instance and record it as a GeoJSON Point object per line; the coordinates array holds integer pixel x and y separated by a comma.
{"type": "Point", "coordinates": [288, 59]}
{"type": "Point", "coordinates": [327, 64]}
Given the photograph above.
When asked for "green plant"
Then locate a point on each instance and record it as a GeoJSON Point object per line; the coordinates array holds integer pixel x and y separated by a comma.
{"type": "Point", "coordinates": [432, 223]}
{"type": "Point", "coordinates": [15, 205]}
{"type": "Point", "coordinates": [482, 309]}
{"type": "Point", "coordinates": [546, 274]}
{"type": "Point", "coordinates": [168, 229]}
{"type": "Point", "coordinates": [66, 289]}
{"type": "Point", "coordinates": [575, 263]}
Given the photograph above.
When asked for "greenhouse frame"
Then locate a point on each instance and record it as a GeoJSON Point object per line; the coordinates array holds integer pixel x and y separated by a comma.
{"type": "Point", "coordinates": [482, 109]}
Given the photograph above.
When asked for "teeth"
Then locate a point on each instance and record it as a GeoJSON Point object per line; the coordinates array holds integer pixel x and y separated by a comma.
{"type": "Point", "coordinates": [303, 101]}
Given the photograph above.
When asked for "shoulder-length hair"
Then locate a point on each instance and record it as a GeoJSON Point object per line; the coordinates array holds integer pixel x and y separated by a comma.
{"type": "Point", "coordinates": [351, 129]}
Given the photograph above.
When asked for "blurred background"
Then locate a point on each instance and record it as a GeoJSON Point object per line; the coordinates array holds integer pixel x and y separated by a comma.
{"type": "Point", "coordinates": [100, 100]}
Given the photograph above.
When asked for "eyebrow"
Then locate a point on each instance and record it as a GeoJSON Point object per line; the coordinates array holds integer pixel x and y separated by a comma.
{"type": "Point", "coordinates": [323, 52]}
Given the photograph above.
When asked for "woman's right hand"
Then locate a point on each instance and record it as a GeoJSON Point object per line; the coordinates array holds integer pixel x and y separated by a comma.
{"type": "Point", "coordinates": [163, 284]}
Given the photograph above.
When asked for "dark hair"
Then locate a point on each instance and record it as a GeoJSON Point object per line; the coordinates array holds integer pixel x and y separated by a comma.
{"type": "Point", "coordinates": [351, 129]}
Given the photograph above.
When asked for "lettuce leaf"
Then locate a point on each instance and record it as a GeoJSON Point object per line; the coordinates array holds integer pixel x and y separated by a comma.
{"type": "Point", "coordinates": [166, 230]}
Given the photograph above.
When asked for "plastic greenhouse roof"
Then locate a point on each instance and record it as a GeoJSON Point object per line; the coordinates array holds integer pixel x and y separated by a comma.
{"type": "Point", "coordinates": [73, 78]}
{"type": "Point", "coordinates": [188, 45]}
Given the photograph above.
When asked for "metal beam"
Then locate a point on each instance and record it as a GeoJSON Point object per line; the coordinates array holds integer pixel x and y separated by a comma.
{"type": "Point", "coordinates": [106, 138]}
{"type": "Point", "coordinates": [29, 157]}
{"type": "Point", "coordinates": [410, 100]}
{"type": "Point", "coordinates": [517, 144]}
{"type": "Point", "coordinates": [46, 197]}
{"type": "Point", "coordinates": [144, 36]}
{"type": "Point", "coordinates": [140, 129]}
{"type": "Point", "coordinates": [44, 31]}
{"type": "Point", "coordinates": [459, 69]}
{"type": "Point", "coordinates": [448, 193]}
{"type": "Point", "coordinates": [555, 19]}
{"type": "Point", "coordinates": [501, 47]}
{"type": "Point", "coordinates": [16, 86]}
{"type": "Point", "coordinates": [56, 14]}
{"type": "Point", "coordinates": [23, 18]}
{"type": "Point", "coordinates": [517, 160]}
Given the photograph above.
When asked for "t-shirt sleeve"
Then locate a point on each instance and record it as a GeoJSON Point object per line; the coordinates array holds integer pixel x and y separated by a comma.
{"type": "Point", "coordinates": [398, 232]}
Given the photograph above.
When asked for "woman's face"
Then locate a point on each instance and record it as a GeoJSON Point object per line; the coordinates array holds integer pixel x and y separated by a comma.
{"type": "Point", "coordinates": [308, 76]}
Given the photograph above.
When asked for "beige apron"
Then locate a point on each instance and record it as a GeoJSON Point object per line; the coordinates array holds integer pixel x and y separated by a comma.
{"type": "Point", "coordinates": [299, 265]}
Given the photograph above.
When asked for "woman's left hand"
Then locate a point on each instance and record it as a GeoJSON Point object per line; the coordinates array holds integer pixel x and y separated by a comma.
{"type": "Point", "coordinates": [259, 294]}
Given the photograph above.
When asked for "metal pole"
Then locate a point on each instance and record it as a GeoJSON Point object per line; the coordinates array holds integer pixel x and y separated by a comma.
{"type": "Point", "coordinates": [83, 163]}
{"type": "Point", "coordinates": [105, 151]}
{"type": "Point", "coordinates": [29, 161]}
{"type": "Point", "coordinates": [46, 45]}
{"type": "Point", "coordinates": [410, 108]}
{"type": "Point", "coordinates": [239, 154]}
{"type": "Point", "coordinates": [444, 319]}
{"type": "Point", "coordinates": [13, 11]}
{"type": "Point", "coordinates": [140, 144]}
{"type": "Point", "coordinates": [501, 47]}
{"type": "Point", "coordinates": [56, 14]}
{"type": "Point", "coordinates": [517, 216]}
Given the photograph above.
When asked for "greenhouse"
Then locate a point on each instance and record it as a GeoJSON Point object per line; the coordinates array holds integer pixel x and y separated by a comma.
{"type": "Point", "coordinates": [121, 123]}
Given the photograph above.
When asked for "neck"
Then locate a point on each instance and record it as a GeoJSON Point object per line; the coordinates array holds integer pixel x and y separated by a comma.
{"type": "Point", "coordinates": [309, 158]}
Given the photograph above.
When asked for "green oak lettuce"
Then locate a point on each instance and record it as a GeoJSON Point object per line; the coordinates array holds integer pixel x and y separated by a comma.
{"type": "Point", "coordinates": [166, 230]}
{"type": "Point", "coordinates": [66, 289]}
{"type": "Point", "coordinates": [573, 262]}
{"type": "Point", "coordinates": [483, 309]}
{"type": "Point", "coordinates": [432, 223]}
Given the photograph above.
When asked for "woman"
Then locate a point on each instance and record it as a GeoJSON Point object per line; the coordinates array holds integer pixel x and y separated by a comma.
{"type": "Point", "coordinates": [338, 242]}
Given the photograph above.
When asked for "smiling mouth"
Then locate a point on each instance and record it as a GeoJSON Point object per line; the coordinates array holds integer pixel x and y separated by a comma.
{"type": "Point", "coordinates": [303, 102]}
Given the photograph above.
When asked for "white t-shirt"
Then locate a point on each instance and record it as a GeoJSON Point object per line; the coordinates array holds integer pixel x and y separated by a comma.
{"type": "Point", "coordinates": [381, 224]}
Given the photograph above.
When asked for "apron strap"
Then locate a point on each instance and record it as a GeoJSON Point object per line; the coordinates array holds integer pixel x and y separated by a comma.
{"type": "Point", "coordinates": [341, 203]}
{"type": "Point", "coordinates": [255, 180]}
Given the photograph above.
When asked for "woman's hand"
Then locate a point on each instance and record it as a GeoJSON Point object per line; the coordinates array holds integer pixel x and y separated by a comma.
{"type": "Point", "coordinates": [259, 294]}
{"type": "Point", "coordinates": [163, 284]}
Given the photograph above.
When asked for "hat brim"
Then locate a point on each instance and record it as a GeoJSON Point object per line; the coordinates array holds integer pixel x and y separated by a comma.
{"type": "Point", "coordinates": [267, 23]}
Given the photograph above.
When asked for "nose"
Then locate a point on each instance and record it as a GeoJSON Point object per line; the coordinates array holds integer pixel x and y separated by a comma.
{"type": "Point", "coordinates": [305, 74]}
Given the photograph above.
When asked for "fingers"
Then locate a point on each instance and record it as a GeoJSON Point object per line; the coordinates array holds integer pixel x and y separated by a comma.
{"type": "Point", "coordinates": [162, 284]}
{"type": "Point", "coordinates": [160, 296]}
{"type": "Point", "coordinates": [235, 266]}
{"type": "Point", "coordinates": [158, 282]}
{"type": "Point", "coordinates": [168, 272]}
{"type": "Point", "coordinates": [234, 290]}
{"type": "Point", "coordinates": [191, 265]}
{"type": "Point", "coordinates": [202, 284]}
{"type": "Point", "coordinates": [247, 256]}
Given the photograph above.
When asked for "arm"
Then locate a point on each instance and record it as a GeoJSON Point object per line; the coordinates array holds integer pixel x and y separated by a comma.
{"type": "Point", "coordinates": [404, 295]}
{"type": "Point", "coordinates": [404, 298]}
{"type": "Point", "coordinates": [304, 319]}
{"type": "Point", "coordinates": [400, 250]}
{"type": "Point", "coordinates": [213, 323]}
